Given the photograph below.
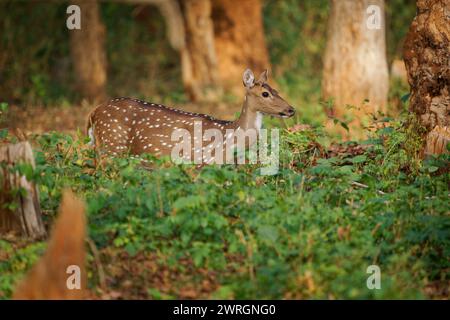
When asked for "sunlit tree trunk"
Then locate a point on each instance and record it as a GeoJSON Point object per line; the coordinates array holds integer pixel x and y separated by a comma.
{"type": "Point", "coordinates": [355, 66]}
{"type": "Point", "coordinates": [204, 80]}
{"type": "Point", "coordinates": [190, 32]}
{"type": "Point", "coordinates": [88, 52]}
{"type": "Point", "coordinates": [239, 40]}
{"type": "Point", "coordinates": [427, 59]}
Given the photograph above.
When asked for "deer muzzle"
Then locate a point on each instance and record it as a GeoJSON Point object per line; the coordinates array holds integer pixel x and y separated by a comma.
{"type": "Point", "coordinates": [287, 113]}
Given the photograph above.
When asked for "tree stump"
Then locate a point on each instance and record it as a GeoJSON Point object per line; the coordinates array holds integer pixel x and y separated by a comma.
{"type": "Point", "coordinates": [24, 217]}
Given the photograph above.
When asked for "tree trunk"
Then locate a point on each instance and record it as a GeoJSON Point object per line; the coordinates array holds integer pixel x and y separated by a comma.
{"type": "Point", "coordinates": [203, 83]}
{"type": "Point", "coordinates": [190, 32]}
{"type": "Point", "coordinates": [355, 66]}
{"type": "Point", "coordinates": [427, 59]}
{"type": "Point", "coordinates": [239, 40]}
{"type": "Point", "coordinates": [25, 215]}
{"type": "Point", "coordinates": [88, 52]}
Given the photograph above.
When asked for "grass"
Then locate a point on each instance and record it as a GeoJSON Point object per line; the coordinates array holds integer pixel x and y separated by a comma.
{"type": "Point", "coordinates": [311, 231]}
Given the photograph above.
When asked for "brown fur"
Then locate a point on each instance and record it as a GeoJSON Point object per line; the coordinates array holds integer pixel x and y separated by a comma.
{"type": "Point", "coordinates": [135, 126]}
{"type": "Point", "coordinates": [47, 279]}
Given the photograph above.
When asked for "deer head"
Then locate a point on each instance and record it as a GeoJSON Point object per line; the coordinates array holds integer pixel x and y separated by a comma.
{"type": "Point", "coordinates": [263, 98]}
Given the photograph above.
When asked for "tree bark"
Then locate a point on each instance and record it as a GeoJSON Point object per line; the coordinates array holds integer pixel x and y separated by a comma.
{"type": "Point", "coordinates": [427, 59]}
{"type": "Point", "coordinates": [88, 52]}
{"type": "Point", "coordinates": [355, 67]}
{"type": "Point", "coordinates": [204, 80]}
{"type": "Point", "coordinates": [239, 40]}
{"type": "Point", "coordinates": [190, 32]}
{"type": "Point", "coordinates": [25, 217]}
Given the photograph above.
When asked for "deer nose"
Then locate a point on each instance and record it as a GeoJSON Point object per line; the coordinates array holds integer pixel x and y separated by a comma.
{"type": "Point", "coordinates": [290, 111]}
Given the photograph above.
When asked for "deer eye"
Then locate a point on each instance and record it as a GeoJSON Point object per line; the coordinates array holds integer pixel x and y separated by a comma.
{"type": "Point", "coordinates": [265, 94]}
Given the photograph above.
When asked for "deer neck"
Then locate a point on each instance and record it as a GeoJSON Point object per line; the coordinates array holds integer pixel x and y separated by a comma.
{"type": "Point", "coordinates": [249, 118]}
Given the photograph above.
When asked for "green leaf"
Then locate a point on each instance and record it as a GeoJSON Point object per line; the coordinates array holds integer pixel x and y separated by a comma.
{"type": "Point", "coordinates": [405, 97]}
{"type": "Point", "coordinates": [188, 202]}
{"type": "Point", "coordinates": [154, 293]}
{"type": "Point", "coordinates": [269, 233]}
{"type": "Point", "coordinates": [359, 159]}
{"type": "Point", "coordinates": [3, 133]}
{"type": "Point", "coordinates": [345, 126]}
{"type": "Point", "coordinates": [132, 249]}
{"type": "Point", "coordinates": [432, 169]}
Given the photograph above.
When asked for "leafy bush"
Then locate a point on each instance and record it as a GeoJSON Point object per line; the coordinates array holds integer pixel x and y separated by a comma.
{"type": "Point", "coordinates": [310, 231]}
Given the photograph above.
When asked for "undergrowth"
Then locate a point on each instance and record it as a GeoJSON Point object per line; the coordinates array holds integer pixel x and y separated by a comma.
{"type": "Point", "coordinates": [309, 231]}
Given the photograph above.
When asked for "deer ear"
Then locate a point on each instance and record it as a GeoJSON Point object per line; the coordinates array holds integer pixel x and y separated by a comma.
{"type": "Point", "coordinates": [248, 78]}
{"type": "Point", "coordinates": [264, 77]}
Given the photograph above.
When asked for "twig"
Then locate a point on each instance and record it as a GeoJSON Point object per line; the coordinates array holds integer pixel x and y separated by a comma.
{"type": "Point", "coordinates": [98, 263]}
{"type": "Point", "coordinates": [357, 184]}
{"type": "Point", "coordinates": [158, 193]}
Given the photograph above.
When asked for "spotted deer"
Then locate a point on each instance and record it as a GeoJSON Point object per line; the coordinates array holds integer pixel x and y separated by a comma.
{"type": "Point", "coordinates": [135, 126]}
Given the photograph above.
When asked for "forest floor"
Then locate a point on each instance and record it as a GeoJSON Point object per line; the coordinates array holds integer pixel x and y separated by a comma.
{"type": "Point", "coordinates": [227, 232]}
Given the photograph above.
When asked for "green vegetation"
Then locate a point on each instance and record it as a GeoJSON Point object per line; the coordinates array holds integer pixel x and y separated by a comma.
{"type": "Point", "coordinates": [307, 232]}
